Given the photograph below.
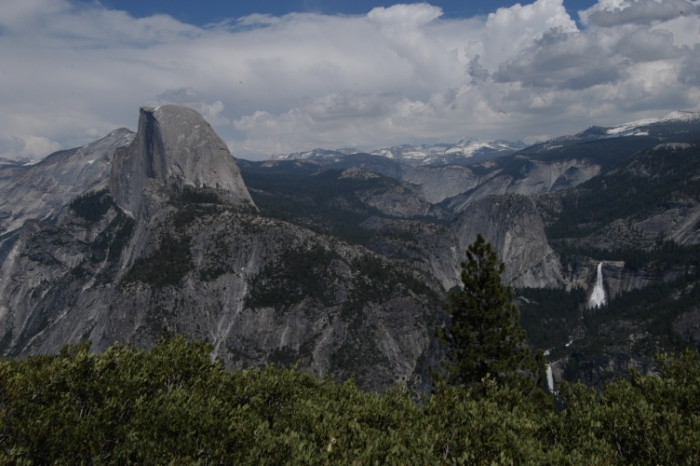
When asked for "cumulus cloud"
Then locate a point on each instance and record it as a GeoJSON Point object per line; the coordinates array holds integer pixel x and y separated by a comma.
{"type": "Point", "coordinates": [401, 74]}
{"type": "Point", "coordinates": [583, 60]}
{"type": "Point", "coordinates": [609, 13]}
{"type": "Point", "coordinates": [690, 70]}
{"type": "Point", "coordinates": [476, 71]}
{"type": "Point", "coordinates": [27, 147]}
{"type": "Point", "coordinates": [192, 98]}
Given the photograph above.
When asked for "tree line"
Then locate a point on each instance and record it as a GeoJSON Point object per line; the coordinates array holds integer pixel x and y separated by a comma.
{"type": "Point", "coordinates": [173, 405]}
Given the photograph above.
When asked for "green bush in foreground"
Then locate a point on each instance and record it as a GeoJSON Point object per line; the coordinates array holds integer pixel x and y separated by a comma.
{"type": "Point", "coordinates": [172, 405]}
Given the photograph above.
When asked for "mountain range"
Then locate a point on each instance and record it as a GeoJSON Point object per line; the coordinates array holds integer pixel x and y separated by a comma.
{"type": "Point", "coordinates": [342, 260]}
{"type": "Point", "coordinates": [464, 151]}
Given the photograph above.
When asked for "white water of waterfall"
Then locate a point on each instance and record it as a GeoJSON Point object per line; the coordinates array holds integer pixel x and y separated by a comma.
{"type": "Point", "coordinates": [597, 298]}
{"type": "Point", "coordinates": [550, 378]}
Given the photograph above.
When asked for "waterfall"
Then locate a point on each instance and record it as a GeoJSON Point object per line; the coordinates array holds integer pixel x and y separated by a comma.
{"type": "Point", "coordinates": [550, 378]}
{"type": "Point", "coordinates": [597, 298]}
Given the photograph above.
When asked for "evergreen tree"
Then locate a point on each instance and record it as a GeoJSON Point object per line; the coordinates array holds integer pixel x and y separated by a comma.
{"type": "Point", "coordinates": [484, 338]}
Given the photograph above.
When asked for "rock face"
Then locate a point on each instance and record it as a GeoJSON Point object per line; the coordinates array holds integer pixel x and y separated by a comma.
{"type": "Point", "coordinates": [464, 185]}
{"type": "Point", "coordinates": [399, 200]}
{"type": "Point", "coordinates": [262, 291]}
{"type": "Point", "coordinates": [510, 223]}
{"type": "Point", "coordinates": [534, 177]}
{"type": "Point", "coordinates": [439, 183]}
{"type": "Point", "coordinates": [42, 191]}
{"type": "Point", "coordinates": [617, 280]}
{"type": "Point", "coordinates": [174, 144]}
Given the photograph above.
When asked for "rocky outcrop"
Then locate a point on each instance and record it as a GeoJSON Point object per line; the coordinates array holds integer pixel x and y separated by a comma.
{"type": "Point", "coordinates": [533, 177]}
{"type": "Point", "coordinates": [510, 223]}
{"type": "Point", "coordinates": [43, 190]}
{"type": "Point", "coordinates": [439, 183]}
{"type": "Point", "coordinates": [395, 199]}
{"type": "Point", "coordinates": [174, 144]}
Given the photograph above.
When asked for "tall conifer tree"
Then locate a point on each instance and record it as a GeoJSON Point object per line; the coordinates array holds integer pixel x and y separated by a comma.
{"type": "Point", "coordinates": [484, 337]}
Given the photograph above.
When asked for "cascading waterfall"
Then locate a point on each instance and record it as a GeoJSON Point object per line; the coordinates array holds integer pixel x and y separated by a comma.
{"type": "Point", "coordinates": [597, 298]}
{"type": "Point", "coordinates": [550, 378]}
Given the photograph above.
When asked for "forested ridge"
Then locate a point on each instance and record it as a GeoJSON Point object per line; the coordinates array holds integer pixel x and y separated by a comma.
{"type": "Point", "coordinates": [647, 181]}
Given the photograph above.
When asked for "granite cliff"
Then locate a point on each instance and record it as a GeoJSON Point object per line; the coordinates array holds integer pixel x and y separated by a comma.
{"type": "Point", "coordinates": [44, 190]}
{"type": "Point", "coordinates": [459, 186]}
{"type": "Point", "coordinates": [510, 223]}
{"type": "Point", "coordinates": [174, 145]}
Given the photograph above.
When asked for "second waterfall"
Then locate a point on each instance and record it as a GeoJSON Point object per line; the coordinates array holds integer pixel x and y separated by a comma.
{"type": "Point", "coordinates": [597, 298]}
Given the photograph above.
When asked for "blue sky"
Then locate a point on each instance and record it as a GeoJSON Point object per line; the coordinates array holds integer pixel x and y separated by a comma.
{"type": "Point", "coordinates": [204, 12]}
{"type": "Point", "coordinates": [277, 77]}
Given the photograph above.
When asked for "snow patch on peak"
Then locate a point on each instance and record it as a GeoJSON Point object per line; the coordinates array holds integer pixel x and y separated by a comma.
{"type": "Point", "coordinates": [425, 154]}
{"type": "Point", "coordinates": [315, 154]}
{"type": "Point", "coordinates": [443, 153]}
{"type": "Point", "coordinates": [678, 116]}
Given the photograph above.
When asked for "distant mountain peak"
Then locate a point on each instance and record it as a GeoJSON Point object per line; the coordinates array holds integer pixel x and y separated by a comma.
{"type": "Point", "coordinates": [676, 116]}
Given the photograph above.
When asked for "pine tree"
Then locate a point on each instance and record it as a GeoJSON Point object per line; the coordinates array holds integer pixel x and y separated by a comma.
{"type": "Point", "coordinates": [484, 338]}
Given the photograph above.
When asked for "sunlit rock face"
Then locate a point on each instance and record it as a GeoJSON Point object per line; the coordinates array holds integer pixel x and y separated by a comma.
{"type": "Point", "coordinates": [44, 189]}
{"type": "Point", "coordinates": [174, 144]}
{"type": "Point", "coordinates": [440, 183]}
{"type": "Point", "coordinates": [512, 224]}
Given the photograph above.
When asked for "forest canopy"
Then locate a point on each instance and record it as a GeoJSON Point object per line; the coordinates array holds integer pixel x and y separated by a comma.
{"type": "Point", "coordinates": [172, 404]}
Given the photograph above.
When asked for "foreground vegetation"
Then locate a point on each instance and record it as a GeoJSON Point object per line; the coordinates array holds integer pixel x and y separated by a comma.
{"type": "Point", "coordinates": [173, 405]}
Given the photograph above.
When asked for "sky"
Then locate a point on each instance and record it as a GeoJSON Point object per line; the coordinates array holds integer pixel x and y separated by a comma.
{"type": "Point", "coordinates": [274, 77]}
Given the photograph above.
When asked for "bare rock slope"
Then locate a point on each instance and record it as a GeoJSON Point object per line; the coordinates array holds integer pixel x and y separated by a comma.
{"type": "Point", "coordinates": [43, 190]}
{"type": "Point", "coordinates": [511, 223]}
{"type": "Point", "coordinates": [174, 144]}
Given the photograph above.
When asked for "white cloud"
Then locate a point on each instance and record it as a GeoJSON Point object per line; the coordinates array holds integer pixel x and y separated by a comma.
{"type": "Point", "coordinates": [608, 13]}
{"type": "Point", "coordinates": [509, 31]}
{"type": "Point", "coordinates": [27, 147]}
{"type": "Point", "coordinates": [405, 16]}
{"type": "Point", "coordinates": [401, 74]}
{"type": "Point", "coordinates": [192, 98]}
